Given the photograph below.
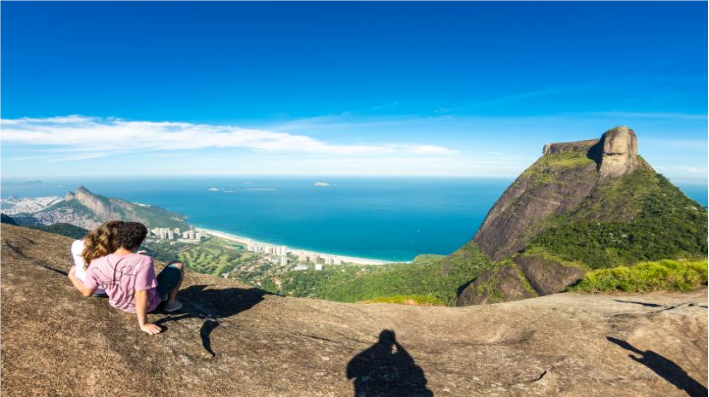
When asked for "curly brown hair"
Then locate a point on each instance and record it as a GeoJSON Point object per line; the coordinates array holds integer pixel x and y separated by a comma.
{"type": "Point", "coordinates": [130, 235]}
{"type": "Point", "coordinates": [101, 241]}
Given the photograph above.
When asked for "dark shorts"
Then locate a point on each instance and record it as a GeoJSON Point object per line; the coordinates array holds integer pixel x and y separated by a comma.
{"type": "Point", "coordinates": [168, 279]}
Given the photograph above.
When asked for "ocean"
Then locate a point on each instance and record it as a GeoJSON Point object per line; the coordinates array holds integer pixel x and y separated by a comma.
{"type": "Point", "coordinates": [391, 219]}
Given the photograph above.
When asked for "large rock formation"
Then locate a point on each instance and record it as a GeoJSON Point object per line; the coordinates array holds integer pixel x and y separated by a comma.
{"type": "Point", "coordinates": [557, 184]}
{"type": "Point", "coordinates": [100, 206]}
{"type": "Point", "coordinates": [238, 341]}
{"type": "Point", "coordinates": [594, 198]}
{"type": "Point", "coordinates": [620, 152]}
{"type": "Point", "coordinates": [88, 210]}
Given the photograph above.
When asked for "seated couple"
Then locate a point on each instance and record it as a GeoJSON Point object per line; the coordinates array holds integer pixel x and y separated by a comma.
{"type": "Point", "coordinates": [106, 265]}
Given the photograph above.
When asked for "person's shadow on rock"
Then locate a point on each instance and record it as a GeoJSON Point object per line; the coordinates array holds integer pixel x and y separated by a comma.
{"type": "Point", "coordinates": [386, 369]}
{"type": "Point", "coordinates": [211, 306]}
{"type": "Point", "coordinates": [664, 367]}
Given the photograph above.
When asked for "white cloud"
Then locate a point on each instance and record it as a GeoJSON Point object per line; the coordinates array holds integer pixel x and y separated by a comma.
{"type": "Point", "coordinates": [110, 135]}
{"type": "Point", "coordinates": [651, 115]}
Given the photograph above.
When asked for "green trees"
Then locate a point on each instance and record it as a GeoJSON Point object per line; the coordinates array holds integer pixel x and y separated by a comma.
{"type": "Point", "coordinates": [428, 275]}
{"type": "Point", "coordinates": [669, 225]}
{"type": "Point", "coordinates": [664, 275]}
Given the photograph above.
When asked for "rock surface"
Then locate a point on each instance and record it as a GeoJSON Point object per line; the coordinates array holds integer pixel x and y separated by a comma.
{"type": "Point", "coordinates": [546, 275]}
{"type": "Point", "coordinates": [556, 187]}
{"type": "Point", "coordinates": [517, 216]}
{"type": "Point", "coordinates": [620, 152]}
{"type": "Point", "coordinates": [98, 205]}
{"type": "Point", "coordinates": [238, 341]}
{"type": "Point", "coordinates": [88, 210]}
{"type": "Point", "coordinates": [504, 284]}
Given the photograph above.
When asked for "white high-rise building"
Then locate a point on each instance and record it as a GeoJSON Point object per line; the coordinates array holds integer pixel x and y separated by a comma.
{"type": "Point", "coordinates": [318, 266]}
{"type": "Point", "coordinates": [302, 257]}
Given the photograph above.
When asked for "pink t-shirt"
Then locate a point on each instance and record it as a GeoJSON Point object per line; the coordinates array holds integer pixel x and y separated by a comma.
{"type": "Point", "coordinates": [120, 276]}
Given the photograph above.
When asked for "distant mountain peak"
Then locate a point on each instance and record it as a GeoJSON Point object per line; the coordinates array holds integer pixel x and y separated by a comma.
{"type": "Point", "coordinates": [87, 210]}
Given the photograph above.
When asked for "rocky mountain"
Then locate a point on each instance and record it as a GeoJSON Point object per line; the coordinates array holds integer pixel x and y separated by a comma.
{"type": "Point", "coordinates": [233, 340]}
{"type": "Point", "coordinates": [583, 205]}
{"type": "Point", "coordinates": [88, 210]}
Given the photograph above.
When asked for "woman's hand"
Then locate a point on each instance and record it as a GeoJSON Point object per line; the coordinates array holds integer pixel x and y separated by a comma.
{"type": "Point", "coordinates": [151, 328]}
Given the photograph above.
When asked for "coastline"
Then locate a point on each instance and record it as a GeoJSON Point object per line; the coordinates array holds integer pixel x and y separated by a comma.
{"type": "Point", "coordinates": [345, 258]}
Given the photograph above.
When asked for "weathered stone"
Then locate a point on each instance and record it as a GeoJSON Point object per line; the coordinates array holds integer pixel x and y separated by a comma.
{"type": "Point", "coordinates": [57, 343]}
{"type": "Point", "coordinates": [518, 215]}
{"type": "Point", "coordinates": [548, 276]}
{"type": "Point", "coordinates": [100, 207]}
{"type": "Point", "coordinates": [501, 285]}
{"type": "Point", "coordinates": [620, 152]}
{"type": "Point", "coordinates": [553, 148]}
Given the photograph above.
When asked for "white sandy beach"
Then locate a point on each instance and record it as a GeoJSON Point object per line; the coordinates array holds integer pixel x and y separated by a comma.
{"type": "Point", "coordinates": [242, 239]}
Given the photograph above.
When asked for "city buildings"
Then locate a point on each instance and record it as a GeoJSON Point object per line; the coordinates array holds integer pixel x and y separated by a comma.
{"type": "Point", "coordinates": [163, 233]}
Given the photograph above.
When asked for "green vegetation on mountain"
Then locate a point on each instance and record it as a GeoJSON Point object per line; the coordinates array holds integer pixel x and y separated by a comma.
{"type": "Point", "coordinates": [668, 225]}
{"type": "Point", "coordinates": [150, 215]}
{"type": "Point", "coordinates": [65, 229]}
{"type": "Point", "coordinates": [414, 300]}
{"type": "Point", "coordinates": [430, 275]}
{"type": "Point", "coordinates": [547, 169]}
{"type": "Point", "coordinates": [86, 208]}
{"type": "Point", "coordinates": [7, 219]}
{"type": "Point", "coordinates": [76, 207]}
{"type": "Point", "coordinates": [666, 275]}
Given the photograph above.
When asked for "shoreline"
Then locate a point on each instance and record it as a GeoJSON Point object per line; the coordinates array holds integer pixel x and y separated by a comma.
{"type": "Point", "coordinates": [345, 258]}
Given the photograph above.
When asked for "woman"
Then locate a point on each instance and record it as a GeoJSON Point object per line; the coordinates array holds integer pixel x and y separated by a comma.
{"type": "Point", "coordinates": [98, 243]}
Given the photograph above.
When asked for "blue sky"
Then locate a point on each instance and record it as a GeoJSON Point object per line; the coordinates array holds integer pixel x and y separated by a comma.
{"type": "Point", "coordinates": [449, 89]}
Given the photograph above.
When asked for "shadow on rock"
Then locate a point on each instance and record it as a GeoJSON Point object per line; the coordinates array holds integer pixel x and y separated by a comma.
{"type": "Point", "coordinates": [212, 305]}
{"type": "Point", "coordinates": [386, 369]}
{"type": "Point", "coordinates": [664, 367]}
{"type": "Point", "coordinates": [646, 304]}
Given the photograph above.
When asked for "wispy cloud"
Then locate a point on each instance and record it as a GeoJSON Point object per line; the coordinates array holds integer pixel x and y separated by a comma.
{"type": "Point", "coordinates": [106, 136]}
{"type": "Point", "coordinates": [651, 115]}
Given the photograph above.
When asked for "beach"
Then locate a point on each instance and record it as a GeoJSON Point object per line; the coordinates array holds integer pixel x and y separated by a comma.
{"type": "Point", "coordinates": [246, 240]}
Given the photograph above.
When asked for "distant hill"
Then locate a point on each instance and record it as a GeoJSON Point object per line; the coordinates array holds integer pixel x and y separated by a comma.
{"type": "Point", "coordinates": [87, 210]}
{"type": "Point", "coordinates": [7, 219]}
{"type": "Point", "coordinates": [583, 205]}
{"type": "Point", "coordinates": [64, 229]}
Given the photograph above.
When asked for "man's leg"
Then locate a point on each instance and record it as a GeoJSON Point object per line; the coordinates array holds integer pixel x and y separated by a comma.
{"type": "Point", "coordinates": [169, 281]}
{"type": "Point", "coordinates": [172, 297]}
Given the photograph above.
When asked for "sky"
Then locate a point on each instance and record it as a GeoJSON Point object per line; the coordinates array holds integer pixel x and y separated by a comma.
{"type": "Point", "coordinates": [414, 89]}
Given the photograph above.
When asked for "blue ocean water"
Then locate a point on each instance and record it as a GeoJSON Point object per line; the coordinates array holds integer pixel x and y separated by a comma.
{"type": "Point", "coordinates": [392, 219]}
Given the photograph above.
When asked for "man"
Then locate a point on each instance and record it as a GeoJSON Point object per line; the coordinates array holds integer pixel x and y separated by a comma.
{"type": "Point", "coordinates": [129, 278]}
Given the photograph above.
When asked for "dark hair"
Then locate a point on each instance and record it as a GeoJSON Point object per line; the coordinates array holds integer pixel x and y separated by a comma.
{"type": "Point", "coordinates": [131, 234]}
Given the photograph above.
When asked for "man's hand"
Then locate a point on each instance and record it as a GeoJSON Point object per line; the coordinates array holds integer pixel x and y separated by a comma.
{"type": "Point", "coordinates": [150, 328]}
